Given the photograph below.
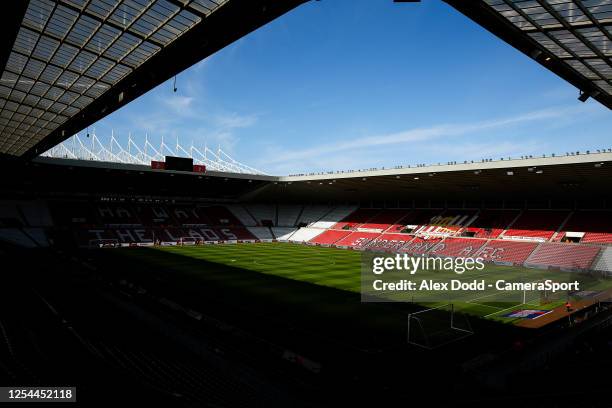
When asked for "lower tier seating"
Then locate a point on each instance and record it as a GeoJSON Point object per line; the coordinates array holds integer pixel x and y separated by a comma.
{"type": "Point", "coordinates": [506, 251]}
{"type": "Point", "coordinates": [458, 247]}
{"type": "Point", "coordinates": [389, 242]}
{"type": "Point", "coordinates": [261, 232]}
{"type": "Point", "coordinates": [563, 255]}
{"type": "Point", "coordinates": [420, 245]}
{"type": "Point", "coordinates": [357, 239]}
{"type": "Point", "coordinates": [283, 233]}
{"type": "Point", "coordinates": [333, 216]}
{"type": "Point", "coordinates": [604, 263]}
{"type": "Point", "coordinates": [330, 237]}
{"type": "Point", "coordinates": [305, 234]}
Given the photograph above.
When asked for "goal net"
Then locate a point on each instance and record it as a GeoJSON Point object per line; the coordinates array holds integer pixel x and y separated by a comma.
{"type": "Point", "coordinates": [104, 243]}
{"type": "Point", "coordinates": [437, 326]}
{"type": "Point", "coordinates": [189, 241]}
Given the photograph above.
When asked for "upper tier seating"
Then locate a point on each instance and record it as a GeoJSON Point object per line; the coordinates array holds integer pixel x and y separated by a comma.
{"type": "Point", "coordinates": [334, 216]}
{"type": "Point", "coordinates": [384, 219]}
{"type": "Point", "coordinates": [491, 223]}
{"type": "Point", "coordinates": [242, 215]}
{"type": "Point", "coordinates": [330, 237]}
{"type": "Point", "coordinates": [357, 239]}
{"type": "Point", "coordinates": [506, 251]}
{"type": "Point", "coordinates": [287, 215]}
{"type": "Point", "coordinates": [563, 255]}
{"type": "Point", "coordinates": [597, 226]}
{"type": "Point", "coordinates": [312, 213]}
{"type": "Point", "coordinates": [604, 263]}
{"type": "Point", "coordinates": [390, 242]}
{"type": "Point", "coordinates": [420, 245]}
{"type": "Point", "coordinates": [458, 247]}
{"type": "Point", "coordinates": [540, 224]}
{"type": "Point", "coordinates": [283, 233]}
{"type": "Point", "coordinates": [305, 234]}
{"type": "Point", "coordinates": [356, 218]}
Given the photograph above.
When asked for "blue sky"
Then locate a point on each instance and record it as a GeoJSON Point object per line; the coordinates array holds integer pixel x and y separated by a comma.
{"type": "Point", "coordinates": [350, 84]}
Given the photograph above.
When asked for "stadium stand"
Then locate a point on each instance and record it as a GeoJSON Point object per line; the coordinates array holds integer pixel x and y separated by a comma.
{"type": "Point", "coordinates": [596, 226]}
{"type": "Point", "coordinates": [189, 215]}
{"type": "Point", "coordinates": [220, 215]}
{"type": "Point", "coordinates": [334, 216]}
{"type": "Point", "coordinates": [151, 215]}
{"type": "Point", "coordinates": [384, 219]}
{"type": "Point", "coordinates": [356, 218]}
{"type": "Point", "coordinates": [536, 224]}
{"type": "Point", "coordinates": [449, 222]}
{"type": "Point", "coordinates": [17, 237]}
{"type": "Point", "coordinates": [312, 213]}
{"type": "Point", "coordinates": [604, 262]}
{"type": "Point", "coordinates": [242, 215]}
{"type": "Point", "coordinates": [458, 247]}
{"type": "Point", "coordinates": [390, 242]}
{"type": "Point", "coordinates": [37, 235]}
{"type": "Point", "coordinates": [283, 233]}
{"type": "Point", "coordinates": [116, 214]}
{"type": "Point", "coordinates": [9, 215]}
{"type": "Point", "coordinates": [262, 213]}
{"type": "Point", "coordinates": [329, 237]}
{"type": "Point", "coordinates": [36, 213]}
{"type": "Point", "coordinates": [261, 232]}
{"type": "Point", "coordinates": [414, 220]}
{"type": "Point", "coordinates": [357, 239]}
{"type": "Point", "coordinates": [305, 234]}
{"type": "Point", "coordinates": [490, 223]}
{"type": "Point", "coordinates": [287, 215]}
{"type": "Point", "coordinates": [563, 255]}
{"type": "Point", "coordinates": [420, 245]}
{"type": "Point", "coordinates": [515, 252]}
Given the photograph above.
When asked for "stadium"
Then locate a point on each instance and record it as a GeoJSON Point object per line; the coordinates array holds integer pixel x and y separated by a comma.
{"type": "Point", "coordinates": [169, 274]}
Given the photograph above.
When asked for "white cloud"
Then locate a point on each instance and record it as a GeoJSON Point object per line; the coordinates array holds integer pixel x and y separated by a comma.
{"type": "Point", "coordinates": [276, 157]}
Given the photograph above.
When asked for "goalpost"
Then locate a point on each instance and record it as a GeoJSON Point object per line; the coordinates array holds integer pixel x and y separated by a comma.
{"type": "Point", "coordinates": [434, 327]}
{"type": "Point", "coordinates": [189, 241]}
{"type": "Point", "coordinates": [104, 243]}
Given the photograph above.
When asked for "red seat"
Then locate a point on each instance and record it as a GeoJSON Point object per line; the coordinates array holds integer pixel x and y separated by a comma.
{"type": "Point", "coordinates": [564, 255]}
{"type": "Point", "coordinates": [506, 251]}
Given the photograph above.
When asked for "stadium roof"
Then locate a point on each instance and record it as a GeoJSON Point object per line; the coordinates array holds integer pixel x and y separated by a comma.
{"type": "Point", "coordinates": [68, 63]}
{"type": "Point", "coordinates": [572, 38]}
{"type": "Point", "coordinates": [563, 178]}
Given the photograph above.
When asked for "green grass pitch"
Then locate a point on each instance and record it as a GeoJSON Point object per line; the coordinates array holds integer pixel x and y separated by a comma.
{"type": "Point", "coordinates": [339, 269]}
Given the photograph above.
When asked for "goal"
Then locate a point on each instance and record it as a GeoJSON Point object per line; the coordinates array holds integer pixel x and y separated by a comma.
{"type": "Point", "coordinates": [434, 327]}
{"type": "Point", "coordinates": [104, 243]}
{"type": "Point", "coordinates": [189, 241]}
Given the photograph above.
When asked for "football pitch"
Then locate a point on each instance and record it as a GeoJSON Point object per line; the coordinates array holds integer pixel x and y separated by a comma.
{"type": "Point", "coordinates": [340, 269]}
